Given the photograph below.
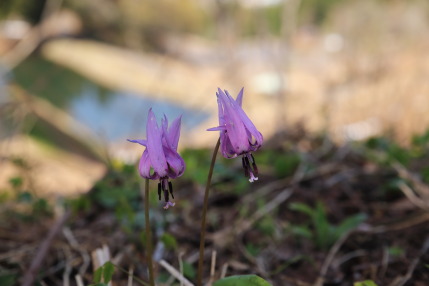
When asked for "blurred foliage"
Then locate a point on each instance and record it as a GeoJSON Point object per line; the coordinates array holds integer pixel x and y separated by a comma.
{"type": "Point", "coordinates": [284, 162]}
{"type": "Point", "coordinates": [365, 283]}
{"type": "Point", "coordinates": [104, 273]}
{"type": "Point", "coordinates": [386, 151]}
{"type": "Point", "coordinates": [323, 232]}
{"type": "Point", "coordinates": [29, 10]}
{"type": "Point", "coordinates": [8, 279]}
{"type": "Point", "coordinates": [242, 280]}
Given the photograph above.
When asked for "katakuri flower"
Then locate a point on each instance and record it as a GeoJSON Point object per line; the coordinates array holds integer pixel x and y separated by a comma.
{"type": "Point", "coordinates": [238, 135]}
{"type": "Point", "coordinates": [160, 160]}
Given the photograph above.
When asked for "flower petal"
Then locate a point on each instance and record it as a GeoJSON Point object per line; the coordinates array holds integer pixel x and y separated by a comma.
{"type": "Point", "coordinates": [145, 166]}
{"type": "Point", "coordinates": [141, 142]}
{"type": "Point", "coordinates": [219, 128]}
{"type": "Point", "coordinates": [239, 98]}
{"type": "Point", "coordinates": [154, 146]}
{"type": "Point", "coordinates": [174, 133]}
{"type": "Point", "coordinates": [176, 164]}
{"type": "Point", "coordinates": [236, 130]}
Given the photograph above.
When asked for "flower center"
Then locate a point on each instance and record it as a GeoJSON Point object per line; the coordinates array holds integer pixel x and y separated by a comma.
{"type": "Point", "coordinates": [166, 187]}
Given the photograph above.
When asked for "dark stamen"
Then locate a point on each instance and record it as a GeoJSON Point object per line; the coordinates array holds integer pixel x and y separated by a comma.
{"type": "Point", "coordinates": [166, 197]}
{"type": "Point", "coordinates": [159, 191]}
{"type": "Point", "coordinates": [255, 168]}
{"type": "Point", "coordinates": [245, 167]}
{"type": "Point", "coordinates": [170, 188]}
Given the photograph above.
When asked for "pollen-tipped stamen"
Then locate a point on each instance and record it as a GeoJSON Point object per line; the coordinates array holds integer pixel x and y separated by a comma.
{"type": "Point", "coordinates": [159, 191]}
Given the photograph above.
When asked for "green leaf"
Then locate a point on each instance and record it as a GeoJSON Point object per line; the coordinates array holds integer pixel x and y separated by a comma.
{"type": "Point", "coordinates": [302, 230]}
{"type": "Point", "coordinates": [242, 280]}
{"type": "Point", "coordinates": [189, 270]}
{"type": "Point", "coordinates": [98, 274]}
{"type": "Point", "coordinates": [350, 223]}
{"type": "Point", "coordinates": [365, 283]}
{"type": "Point", "coordinates": [109, 269]}
{"type": "Point", "coordinates": [8, 279]}
{"type": "Point", "coordinates": [169, 241]}
{"type": "Point", "coordinates": [300, 207]}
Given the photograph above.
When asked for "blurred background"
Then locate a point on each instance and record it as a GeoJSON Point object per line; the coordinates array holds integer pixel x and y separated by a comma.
{"type": "Point", "coordinates": [78, 77]}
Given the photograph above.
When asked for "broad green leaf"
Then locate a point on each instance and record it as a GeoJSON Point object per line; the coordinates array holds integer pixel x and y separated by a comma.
{"type": "Point", "coordinates": [189, 270]}
{"type": "Point", "coordinates": [109, 269]}
{"type": "Point", "coordinates": [169, 241]}
{"type": "Point", "coordinates": [242, 280]}
{"type": "Point", "coordinates": [365, 283]}
{"type": "Point", "coordinates": [98, 274]}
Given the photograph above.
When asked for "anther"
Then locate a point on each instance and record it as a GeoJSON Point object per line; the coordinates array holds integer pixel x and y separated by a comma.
{"type": "Point", "coordinates": [170, 189]}
{"type": "Point", "coordinates": [245, 167]}
{"type": "Point", "coordinates": [255, 168]}
{"type": "Point", "coordinates": [159, 191]}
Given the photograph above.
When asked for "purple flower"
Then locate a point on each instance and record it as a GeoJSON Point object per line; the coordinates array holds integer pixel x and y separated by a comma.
{"type": "Point", "coordinates": [160, 160]}
{"type": "Point", "coordinates": [238, 135]}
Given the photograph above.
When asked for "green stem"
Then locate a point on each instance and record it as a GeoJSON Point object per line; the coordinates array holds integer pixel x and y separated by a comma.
{"type": "Point", "coordinates": [203, 220]}
{"type": "Point", "coordinates": [148, 234]}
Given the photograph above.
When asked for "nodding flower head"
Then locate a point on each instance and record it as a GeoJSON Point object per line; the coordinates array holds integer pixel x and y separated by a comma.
{"type": "Point", "coordinates": [160, 160]}
{"type": "Point", "coordinates": [238, 135]}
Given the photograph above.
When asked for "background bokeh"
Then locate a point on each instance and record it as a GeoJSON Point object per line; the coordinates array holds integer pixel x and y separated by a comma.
{"type": "Point", "coordinates": [81, 75]}
{"type": "Point", "coordinates": [338, 88]}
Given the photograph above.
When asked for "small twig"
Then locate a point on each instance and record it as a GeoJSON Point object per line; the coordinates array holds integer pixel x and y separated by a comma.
{"type": "Point", "coordinates": [409, 193]}
{"type": "Point", "coordinates": [274, 203]}
{"type": "Point", "coordinates": [384, 262]}
{"type": "Point", "coordinates": [224, 270]}
{"type": "Point", "coordinates": [181, 266]}
{"type": "Point", "coordinates": [404, 173]}
{"type": "Point", "coordinates": [68, 234]}
{"type": "Point", "coordinates": [212, 268]}
{"type": "Point", "coordinates": [175, 273]}
{"type": "Point", "coordinates": [404, 279]}
{"type": "Point", "coordinates": [328, 260]}
{"type": "Point", "coordinates": [79, 280]}
{"type": "Point", "coordinates": [30, 275]}
{"type": "Point", "coordinates": [130, 276]}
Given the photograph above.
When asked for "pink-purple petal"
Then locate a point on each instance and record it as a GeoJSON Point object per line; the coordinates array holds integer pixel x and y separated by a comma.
{"type": "Point", "coordinates": [173, 133]}
{"type": "Point", "coordinates": [175, 163]}
{"type": "Point", "coordinates": [154, 146]}
{"type": "Point", "coordinates": [239, 98]}
{"type": "Point", "coordinates": [145, 166]}
{"type": "Point", "coordinates": [141, 142]}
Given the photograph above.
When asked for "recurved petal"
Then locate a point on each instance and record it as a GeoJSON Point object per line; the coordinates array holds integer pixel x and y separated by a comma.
{"type": "Point", "coordinates": [154, 146]}
{"type": "Point", "coordinates": [141, 142]}
{"type": "Point", "coordinates": [175, 162]}
{"type": "Point", "coordinates": [226, 147]}
{"type": "Point", "coordinates": [145, 166]}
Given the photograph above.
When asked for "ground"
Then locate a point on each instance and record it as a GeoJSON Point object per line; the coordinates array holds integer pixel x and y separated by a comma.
{"type": "Point", "coordinates": [320, 214]}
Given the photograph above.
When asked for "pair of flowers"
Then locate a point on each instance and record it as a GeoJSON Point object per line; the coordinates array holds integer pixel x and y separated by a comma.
{"type": "Point", "coordinates": [238, 136]}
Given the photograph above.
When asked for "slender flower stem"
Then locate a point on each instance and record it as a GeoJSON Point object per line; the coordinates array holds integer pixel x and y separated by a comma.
{"type": "Point", "coordinates": [203, 219]}
{"type": "Point", "coordinates": [148, 234]}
